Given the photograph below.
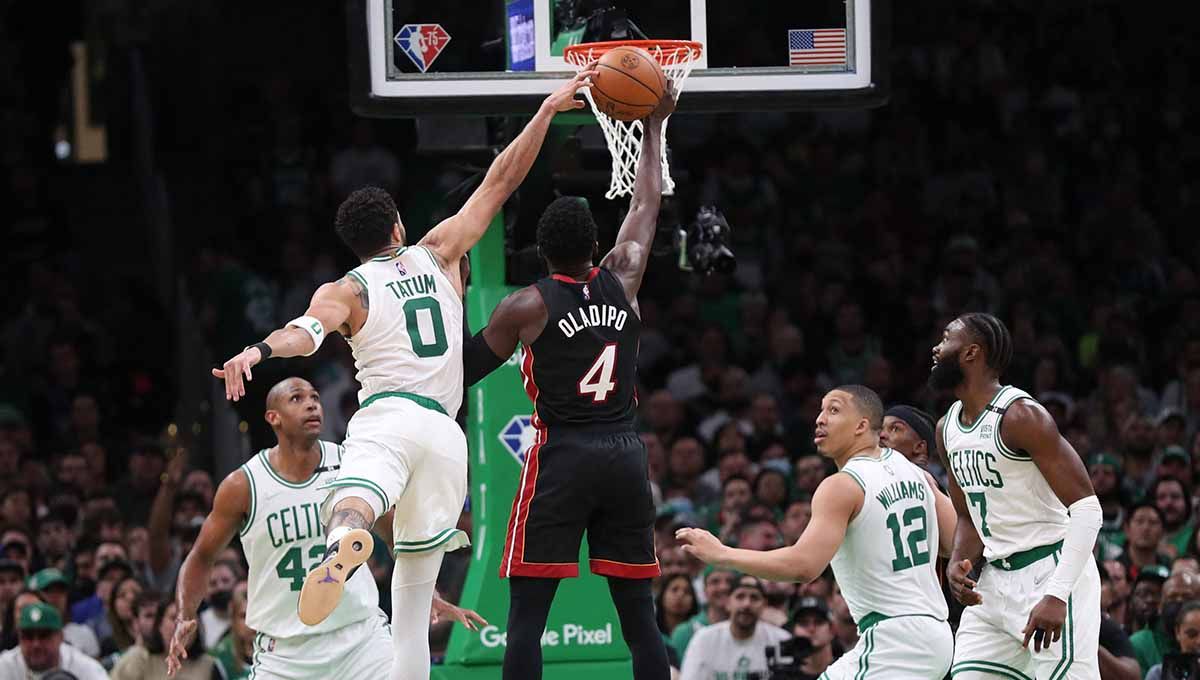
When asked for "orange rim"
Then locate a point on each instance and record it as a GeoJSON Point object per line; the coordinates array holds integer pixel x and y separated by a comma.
{"type": "Point", "coordinates": [664, 48]}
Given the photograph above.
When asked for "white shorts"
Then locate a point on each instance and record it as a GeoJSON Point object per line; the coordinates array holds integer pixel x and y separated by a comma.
{"type": "Point", "coordinates": [360, 650]}
{"type": "Point", "coordinates": [403, 454]}
{"type": "Point", "coordinates": [988, 643]}
{"type": "Point", "coordinates": [900, 648]}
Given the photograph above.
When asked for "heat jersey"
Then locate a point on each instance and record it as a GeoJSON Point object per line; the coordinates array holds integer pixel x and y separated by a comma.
{"type": "Point", "coordinates": [886, 565]}
{"type": "Point", "coordinates": [411, 343]}
{"type": "Point", "coordinates": [582, 369]}
{"type": "Point", "coordinates": [1012, 506]}
{"type": "Point", "coordinates": [284, 539]}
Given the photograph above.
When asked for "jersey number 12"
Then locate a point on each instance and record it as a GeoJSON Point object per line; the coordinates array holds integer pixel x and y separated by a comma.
{"type": "Point", "coordinates": [598, 381]}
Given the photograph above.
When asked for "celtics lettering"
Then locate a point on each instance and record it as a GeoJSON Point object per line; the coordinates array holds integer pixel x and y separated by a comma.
{"type": "Point", "coordinates": [296, 523]}
{"type": "Point", "coordinates": [974, 468]}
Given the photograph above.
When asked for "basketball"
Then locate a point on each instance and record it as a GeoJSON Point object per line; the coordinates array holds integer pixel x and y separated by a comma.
{"type": "Point", "coordinates": [629, 83]}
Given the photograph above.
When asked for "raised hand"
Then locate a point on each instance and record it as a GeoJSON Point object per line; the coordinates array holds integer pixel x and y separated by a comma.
{"type": "Point", "coordinates": [666, 105]}
{"type": "Point", "coordinates": [185, 632]}
{"type": "Point", "coordinates": [563, 99]}
{"type": "Point", "coordinates": [235, 369]}
{"type": "Point", "coordinates": [701, 544]}
{"type": "Point", "coordinates": [444, 610]}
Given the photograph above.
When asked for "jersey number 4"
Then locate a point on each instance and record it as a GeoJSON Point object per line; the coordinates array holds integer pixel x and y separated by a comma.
{"type": "Point", "coordinates": [598, 381]}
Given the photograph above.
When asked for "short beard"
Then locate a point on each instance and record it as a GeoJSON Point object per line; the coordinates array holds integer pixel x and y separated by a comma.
{"type": "Point", "coordinates": [947, 374]}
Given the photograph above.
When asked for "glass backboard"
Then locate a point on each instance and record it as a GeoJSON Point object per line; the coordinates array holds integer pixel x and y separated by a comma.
{"type": "Point", "coordinates": [502, 56]}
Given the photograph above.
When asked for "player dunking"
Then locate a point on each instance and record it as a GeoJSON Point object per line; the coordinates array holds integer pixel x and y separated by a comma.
{"type": "Point", "coordinates": [401, 312]}
{"type": "Point", "coordinates": [1026, 505]}
{"type": "Point", "coordinates": [272, 503]}
{"type": "Point", "coordinates": [880, 522]}
{"type": "Point", "coordinates": [587, 471]}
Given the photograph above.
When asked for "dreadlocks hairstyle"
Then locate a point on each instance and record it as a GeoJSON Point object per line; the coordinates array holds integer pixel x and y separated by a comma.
{"type": "Point", "coordinates": [566, 232]}
{"type": "Point", "coordinates": [868, 402]}
{"type": "Point", "coordinates": [365, 219]}
{"type": "Point", "coordinates": [993, 335]}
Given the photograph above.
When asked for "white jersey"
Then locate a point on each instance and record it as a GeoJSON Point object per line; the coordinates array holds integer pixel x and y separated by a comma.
{"type": "Point", "coordinates": [887, 563]}
{"type": "Point", "coordinates": [284, 539]}
{"type": "Point", "coordinates": [411, 342]}
{"type": "Point", "coordinates": [1012, 506]}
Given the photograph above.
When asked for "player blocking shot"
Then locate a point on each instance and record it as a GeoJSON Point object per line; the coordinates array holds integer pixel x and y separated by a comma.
{"type": "Point", "coordinates": [401, 312]}
{"type": "Point", "coordinates": [880, 522]}
{"type": "Point", "coordinates": [1026, 507]}
{"type": "Point", "coordinates": [272, 502]}
{"type": "Point", "coordinates": [579, 328]}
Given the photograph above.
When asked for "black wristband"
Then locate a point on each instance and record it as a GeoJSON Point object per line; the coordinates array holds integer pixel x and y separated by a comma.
{"type": "Point", "coordinates": [263, 349]}
{"type": "Point", "coordinates": [478, 360]}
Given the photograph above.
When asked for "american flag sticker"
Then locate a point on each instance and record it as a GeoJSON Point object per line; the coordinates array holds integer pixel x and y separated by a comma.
{"type": "Point", "coordinates": [817, 47]}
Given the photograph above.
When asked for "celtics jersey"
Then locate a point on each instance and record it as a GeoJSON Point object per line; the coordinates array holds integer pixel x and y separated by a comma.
{"type": "Point", "coordinates": [886, 565]}
{"type": "Point", "coordinates": [1012, 506]}
{"type": "Point", "coordinates": [284, 539]}
{"type": "Point", "coordinates": [412, 340]}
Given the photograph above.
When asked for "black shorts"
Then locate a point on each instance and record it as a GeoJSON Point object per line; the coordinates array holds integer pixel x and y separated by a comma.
{"type": "Point", "coordinates": [576, 479]}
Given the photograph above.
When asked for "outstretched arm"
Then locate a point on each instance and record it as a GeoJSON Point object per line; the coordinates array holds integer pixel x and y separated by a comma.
{"type": "Point", "coordinates": [456, 234]}
{"type": "Point", "coordinates": [627, 260]}
{"type": "Point", "coordinates": [520, 317]}
{"type": "Point", "coordinates": [329, 310]}
{"type": "Point", "coordinates": [837, 500]}
{"type": "Point", "coordinates": [1027, 426]}
{"type": "Point", "coordinates": [230, 506]}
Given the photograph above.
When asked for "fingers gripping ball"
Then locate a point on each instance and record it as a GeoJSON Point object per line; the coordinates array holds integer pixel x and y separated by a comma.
{"type": "Point", "coordinates": [628, 84]}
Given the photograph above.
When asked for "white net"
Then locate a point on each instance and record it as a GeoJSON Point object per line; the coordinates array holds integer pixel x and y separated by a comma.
{"type": "Point", "coordinates": [625, 139]}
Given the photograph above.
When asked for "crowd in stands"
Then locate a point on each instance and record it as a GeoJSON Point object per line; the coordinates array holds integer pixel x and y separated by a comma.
{"type": "Point", "coordinates": [1036, 162]}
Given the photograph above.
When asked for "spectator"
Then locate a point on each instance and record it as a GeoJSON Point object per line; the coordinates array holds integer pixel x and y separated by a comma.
{"type": "Point", "coordinates": [111, 564]}
{"type": "Point", "coordinates": [222, 578]}
{"type": "Point", "coordinates": [845, 630]}
{"type": "Point", "coordinates": [148, 660]}
{"type": "Point", "coordinates": [135, 493]}
{"type": "Point", "coordinates": [1117, 658]}
{"type": "Point", "coordinates": [56, 538]}
{"type": "Point", "coordinates": [1115, 591]}
{"type": "Point", "coordinates": [119, 632]}
{"type": "Point", "coordinates": [735, 498]}
{"type": "Point", "coordinates": [675, 604]}
{"type": "Point", "coordinates": [810, 620]}
{"type": "Point", "coordinates": [16, 508]}
{"type": "Point", "coordinates": [42, 650]}
{"type": "Point", "coordinates": [810, 472]}
{"type": "Point", "coordinates": [12, 580]}
{"type": "Point", "coordinates": [1147, 597]}
{"type": "Point", "coordinates": [16, 546]}
{"type": "Point", "coordinates": [1173, 499]}
{"type": "Point", "coordinates": [1143, 538]}
{"type": "Point", "coordinates": [53, 587]}
{"type": "Point", "coordinates": [1187, 637]}
{"type": "Point", "coordinates": [1152, 643]}
{"type": "Point", "coordinates": [795, 520]}
{"type": "Point", "coordinates": [737, 645]}
{"type": "Point", "coordinates": [757, 534]}
{"type": "Point", "coordinates": [235, 652]}
{"type": "Point", "coordinates": [685, 462]}
{"type": "Point", "coordinates": [771, 489]}
{"type": "Point", "coordinates": [1105, 473]}
{"type": "Point", "coordinates": [717, 585]}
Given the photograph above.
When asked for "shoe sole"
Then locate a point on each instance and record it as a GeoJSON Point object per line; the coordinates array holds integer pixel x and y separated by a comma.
{"type": "Point", "coordinates": [324, 585]}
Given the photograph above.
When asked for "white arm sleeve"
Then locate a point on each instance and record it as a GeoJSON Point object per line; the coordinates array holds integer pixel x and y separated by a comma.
{"type": "Point", "coordinates": [314, 329]}
{"type": "Point", "coordinates": [1082, 528]}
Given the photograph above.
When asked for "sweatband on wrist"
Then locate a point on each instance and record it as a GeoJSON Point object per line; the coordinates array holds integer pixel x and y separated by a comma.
{"type": "Point", "coordinates": [1083, 525]}
{"type": "Point", "coordinates": [263, 349]}
{"type": "Point", "coordinates": [313, 327]}
{"type": "Point", "coordinates": [478, 359]}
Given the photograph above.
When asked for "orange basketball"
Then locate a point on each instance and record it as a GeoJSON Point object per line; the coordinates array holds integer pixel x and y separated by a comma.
{"type": "Point", "coordinates": [628, 84]}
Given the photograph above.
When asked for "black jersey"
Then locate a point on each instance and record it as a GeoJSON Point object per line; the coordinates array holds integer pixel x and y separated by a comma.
{"type": "Point", "coordinates": [582, 369]}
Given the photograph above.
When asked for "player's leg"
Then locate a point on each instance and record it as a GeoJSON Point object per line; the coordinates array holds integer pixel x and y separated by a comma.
{"type": "Point", "coordinates": [901, 648]}
{"type": "Point", "coordinates": [541, 546]}
{"type": "Point", "coordinates": [1073, 657]}
{"type": "Point", "coordinates": [985, 645]}
{"type": "Point", "coordinates": [621, 543]}
{"type": "Point", "coordinates": [424, 528]}
{"type": "Point", "coordinates": [529, 607]}
{"type": "Point", "coordinates": [413, 580]}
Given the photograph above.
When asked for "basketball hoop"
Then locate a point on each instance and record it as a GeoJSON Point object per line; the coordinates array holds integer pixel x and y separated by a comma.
{"type": "Point", "coordinates": [676, 57]}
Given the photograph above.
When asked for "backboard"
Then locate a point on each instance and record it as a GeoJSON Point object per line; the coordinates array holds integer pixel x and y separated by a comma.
{"type": "Point", "coordinates": [495, 57]}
